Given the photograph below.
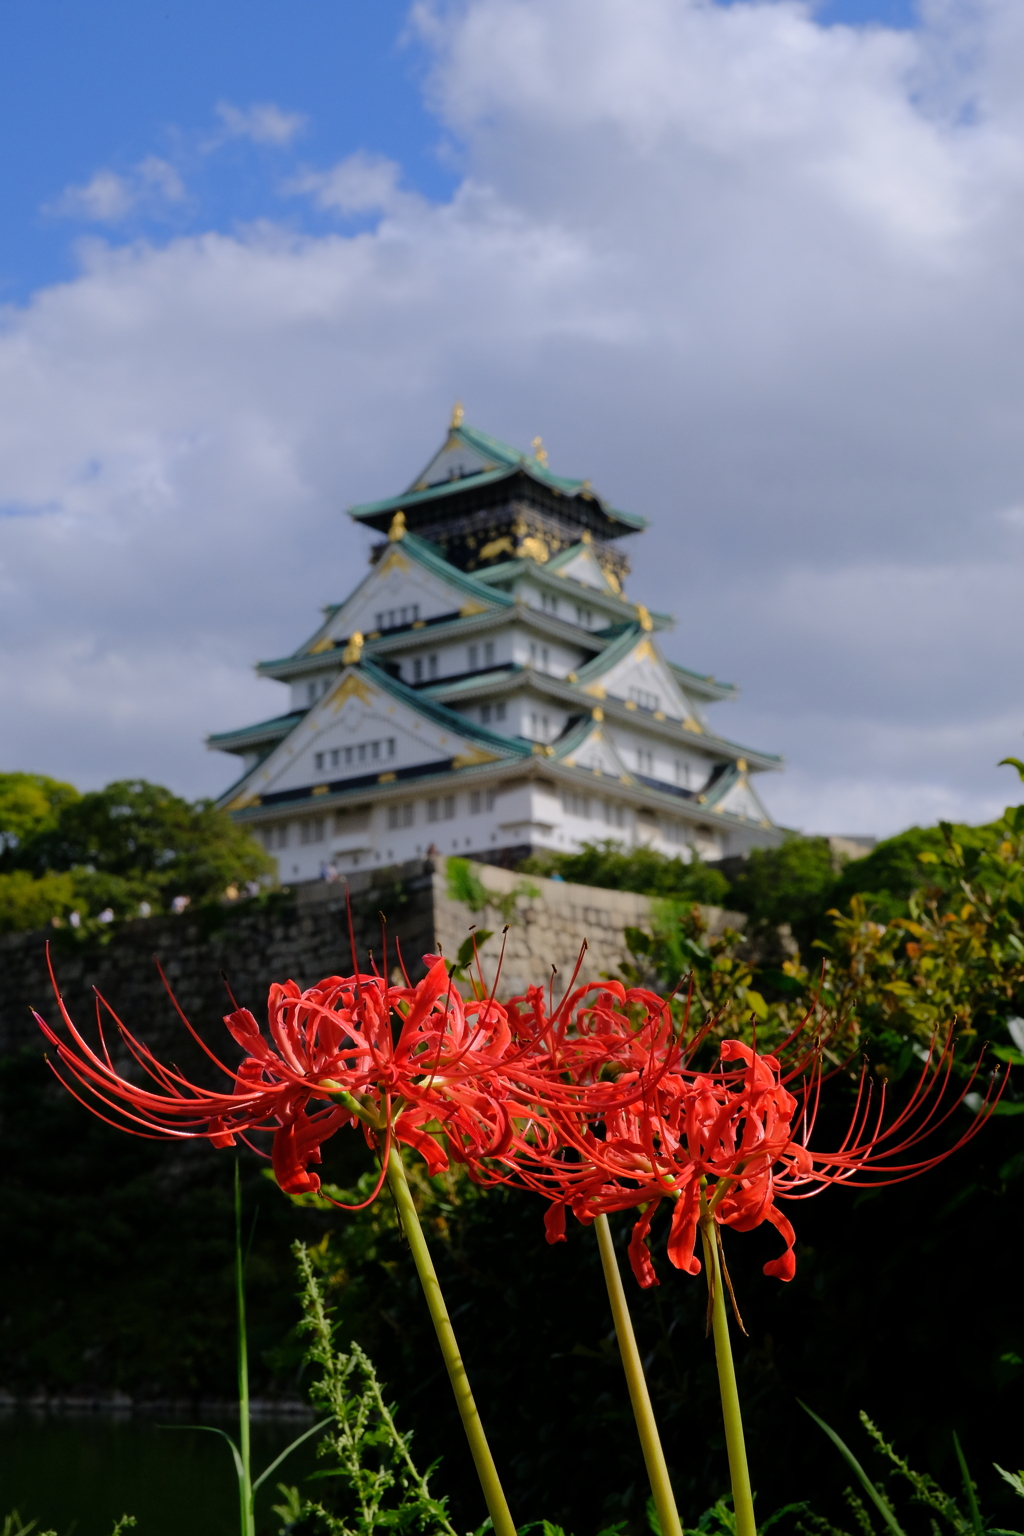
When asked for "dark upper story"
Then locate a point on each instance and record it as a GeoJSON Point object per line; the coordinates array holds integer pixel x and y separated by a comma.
{"type": "Point", "coordinates": [481, 502]}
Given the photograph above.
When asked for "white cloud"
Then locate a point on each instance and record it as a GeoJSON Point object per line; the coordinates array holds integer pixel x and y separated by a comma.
{"type": "Point", "coordinates": [262, 123]}
{"type": "Point", "coordinates": [109, 198]}
{"type": "Point", "coordinates": [757, 277]}
{"type": "Point", "coordinates": [360, 183]}
{"type": "Point", "coordinates": [105, 198]}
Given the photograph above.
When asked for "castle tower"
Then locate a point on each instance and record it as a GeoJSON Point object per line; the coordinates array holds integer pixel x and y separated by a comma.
{"type": "Point", "coordinates": [488, 689]}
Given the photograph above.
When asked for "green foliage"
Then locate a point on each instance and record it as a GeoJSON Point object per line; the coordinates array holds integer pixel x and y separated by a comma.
{"type": "Point", "coordinates": [953, 952]}
{"type": "Point", "coordinates": [465, 885]}
{"type": "Point", "coordinates": [925, 1491]}
{"type": "Point", "coordinates": [375, 1484]}
{"type": "Point", "coordinates": [27, 903]}
{"type": "Point", "coordinates": [30, 804]}
{"type": "Point", "coordinates": [790, 884]}
{"type": "Point", "coordinates": [117, 847]}
{"type": "Point", "coordinates": [680, 951]}
{"type": "Point", "coordinates": [639, 869]}
{"type": "Point", "coordinates": [14, 1526]}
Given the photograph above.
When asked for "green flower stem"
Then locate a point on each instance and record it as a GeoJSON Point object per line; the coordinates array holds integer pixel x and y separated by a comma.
{"type": "Point", "coordinates": [494, 1498]}
{"type": "Point", "coordinates": [650, 1441]}
{"type": "Point", "coordinates": [245, 1476]}
{"type": "Point", "coordinates": [742, 1498]}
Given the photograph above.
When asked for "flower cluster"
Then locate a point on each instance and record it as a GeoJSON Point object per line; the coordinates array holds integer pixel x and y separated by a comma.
{"type": "Point", "coordinates": [600, 1105]}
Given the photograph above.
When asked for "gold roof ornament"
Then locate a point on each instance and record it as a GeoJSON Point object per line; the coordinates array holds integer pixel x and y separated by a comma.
{"type": "Point", "coordinates": [741, 764]}
{"type": "Point", "coordinates": [457, 416]}
{"type": "Point", "coordinates": [352, 653]}
{"type": "Point", "coordinates": [397, 530]}
{"type": "Point", "coordinates": [540, 453]}
{"type": "Point", "coordinates": [646, 622]}
{"type": "Point", "coordinates": [534, 548]}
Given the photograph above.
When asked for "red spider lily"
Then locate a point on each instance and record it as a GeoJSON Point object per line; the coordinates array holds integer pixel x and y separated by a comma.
{"type": "Point", "coordinates": [351, 1048]}
{"type": "Point", "coordinates": [619, 1119]}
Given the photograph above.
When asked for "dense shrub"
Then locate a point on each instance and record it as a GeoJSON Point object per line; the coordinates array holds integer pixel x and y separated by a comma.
{"type": "Point", "coordinates": [112, 848]}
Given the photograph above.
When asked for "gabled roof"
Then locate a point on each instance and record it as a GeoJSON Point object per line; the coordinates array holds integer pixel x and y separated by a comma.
{"type": "Point", "coordinates": [426, 555]}
{"type": "Point", "coordinates": [495, 746]}
{"type": "Point", "coordinates": [549, 575]}
{"type": "Point", "coordinates": [469, 459]}
{"type": "Point", "coordinates": [702, 684]}
{"type": "Point", "coordinates": [248, 737]}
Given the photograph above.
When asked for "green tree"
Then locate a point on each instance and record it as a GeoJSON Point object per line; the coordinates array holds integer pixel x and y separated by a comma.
{"type": "Point", "coordinates": [30, 804]}
{"type": "Point", "coordinates": [639, 869]}
{"type": "Point", "coordinates": [131, 842]}
{"type": "Point", "coordinates": [26, 903]}
{"type": "Point", "coordinates": [794, 883]}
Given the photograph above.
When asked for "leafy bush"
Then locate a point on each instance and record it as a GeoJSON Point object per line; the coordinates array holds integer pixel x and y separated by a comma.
{"type": "Point", "coordinates": [792, 884]}
{"type": "Point", "coordinates": [30, 803]}
{"type": "Point", "coordinates": [115, 848]}
{"type": "Point", "coordinates": [639, 869]}
{"type": "Point", "coordinates": [27, 903]}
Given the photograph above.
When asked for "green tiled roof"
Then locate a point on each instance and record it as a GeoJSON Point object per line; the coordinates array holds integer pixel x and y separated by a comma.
{"type": "Point", "coordinates": [507, 461]}
{"type": "Point", "coordinates": [267, 730]}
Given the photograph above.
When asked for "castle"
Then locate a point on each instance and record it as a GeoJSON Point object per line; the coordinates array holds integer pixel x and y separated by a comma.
{"type": "Point", "coordinates": [488, 689]}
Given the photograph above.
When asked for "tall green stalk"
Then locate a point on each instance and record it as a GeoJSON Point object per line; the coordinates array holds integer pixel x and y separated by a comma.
{"type": "Point", "coordinates": [494, 1497]}
{"type": "Point", "coordinates": [241, 1453]}
{"type": "Point", "coordinates": [742, 1498]}
{"type": "Point", "coordinates": [245, 1491]}
{"type": "Point", "coordinates": [643, 1412]}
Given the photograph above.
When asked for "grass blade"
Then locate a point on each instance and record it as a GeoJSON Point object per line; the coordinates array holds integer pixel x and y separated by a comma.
{"type": "Point", "coordinates": [288, 1450]}
{"type": "Point", "coordinates": [972, 1502]}
{"type": "Point", "coordinates": [878, 1498]}
{"type": "Point", "coordinates": [210, 1429]}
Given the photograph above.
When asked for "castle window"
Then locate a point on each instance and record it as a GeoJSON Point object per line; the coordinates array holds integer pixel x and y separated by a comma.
{"type": "Point", "coordinates": [644, 699]}
{"type": "Point", "coordinates": [485, 714]}
{"type": "Point", "coordinates": [335, 757]}
{"type": "Point", "coordinates": [644, 762]}
{"type": "Point", "coordinates": [499, 711]}
{"type": "Point", "coordinates": [449, 807]}
{"type": "Point", "coordinates": [544, 658]}
{"type": "Point", "coordinates": [488, 653]}
{"type": "Point", "coordinates": [584, 616]}
{"type": "Point", "coordinates": [433, 810]}
{"type": "Point", "coordinates": [432, 665]}
{"type": "Point", "coordinates": [576, 805]}
{"type": "Point", "coordinates": [492, 795]}
{"type": "Point", "coordinates": [417, 670]}
{"type": "Point", "coordinates": [318, 761]}
{"type": "Point", "coordinates": [473, 653]}
{"type": "Point", "coordinates": [614, 815]}
{"type": "Point", "coordinates": [400, 816]}
{"type": "Point", "coordinates": [391, 746]}
{"type": "Point", "coordinates": [311, 693]}
{"type": "Point", "coordinates": [474, 802]}
{"type": "Point", "coordinates": [282, 836]}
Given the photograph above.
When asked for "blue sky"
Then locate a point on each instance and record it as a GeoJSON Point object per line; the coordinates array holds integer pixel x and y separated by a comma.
{"type": "Point", "coordinates": [112, 83]}
{"type": "Point", "coordinates": [752, 268]}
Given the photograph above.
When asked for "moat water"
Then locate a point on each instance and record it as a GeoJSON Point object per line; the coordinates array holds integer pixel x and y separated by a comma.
{"type": "Point", "coordinates": [76, 1474]}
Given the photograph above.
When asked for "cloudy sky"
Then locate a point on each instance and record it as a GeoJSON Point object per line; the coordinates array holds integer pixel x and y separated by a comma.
{"type": "Point", "coordinates": [755, 269]}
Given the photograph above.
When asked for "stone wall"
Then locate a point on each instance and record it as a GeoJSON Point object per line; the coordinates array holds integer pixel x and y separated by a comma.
{"type": "Point", "coordinates": [302, 934]}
